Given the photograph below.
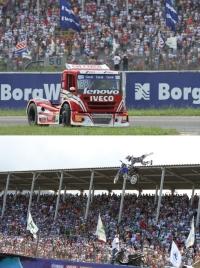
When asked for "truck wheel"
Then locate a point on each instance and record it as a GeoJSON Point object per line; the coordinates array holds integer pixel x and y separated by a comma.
{"type": "Point", "coordinates": [66, 115]}
{"type": "Point", "coordinates": [32, 114]}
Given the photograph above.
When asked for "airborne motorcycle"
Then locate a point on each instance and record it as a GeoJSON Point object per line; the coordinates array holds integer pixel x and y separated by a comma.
{"type": "Point", "coordinates": [129, 170]}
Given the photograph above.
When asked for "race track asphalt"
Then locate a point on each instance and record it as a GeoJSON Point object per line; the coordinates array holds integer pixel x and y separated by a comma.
{"type": "Point", "coordinates": [186, 125]}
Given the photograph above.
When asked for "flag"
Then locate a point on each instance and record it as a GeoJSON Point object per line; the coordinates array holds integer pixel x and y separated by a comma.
{"type": "Point", "coordinates": [87, 46]}
{"type": "Point", "coordinates": [116, 178]}
{"type": "Point", "coordinates": [172, 42]}
{"type": "Point", "coordinates": [100, 231]}
{"type": "Point", "coordinates": [21, 47]}
{"type": "Point", "coordinates": [191, 237]}
{"type": "Point", "coordinates": [161, 42]}
{"type": "Point", "coordinates": [175, 255]}
{"type": "Point", "coordinates": [68, 20]}
{"type": "Point", "coordinates": [31, 226]}
{"type": "Point", "coordinates": [115, 46]}
{"type": "Point", "coordinates": [171, 15]}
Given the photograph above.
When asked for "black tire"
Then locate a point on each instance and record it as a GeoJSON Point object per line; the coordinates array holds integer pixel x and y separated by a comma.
{"type": "Point", "coordinates": [66, 114]}
{"type": "Point", "coordinates": [32, 114]}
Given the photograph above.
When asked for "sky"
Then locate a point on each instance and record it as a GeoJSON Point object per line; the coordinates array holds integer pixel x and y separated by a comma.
{"type": "Point", "coordinates": [20, 153]}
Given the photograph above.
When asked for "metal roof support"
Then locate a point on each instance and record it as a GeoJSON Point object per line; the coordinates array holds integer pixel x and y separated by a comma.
{"type": "Point", "coordinates": [5, 195]}
{"type": "Point", "coordinates": [192, 196]}
{"type": "Point", "coordinates": [92, 195]}
{"type": "Point", "coordinates": [140, 192]}
{"type": "Point", "coordinates": [156, 195]}
{"type": "Point", "coordinates": [38, 196]}
{"type": "Point", "coordinates": [89, 194]}
{"type": "Point", "coordinates": [16, 190]}
{"type": "Point", "coordinates": [160, 194]}
{"type": "Point", "coordinates": [198, 214]}
{"type": "Point", "coordinates": [64, 195]}
{"type": "Point", "coordinates": [58, 197]}
{"type": "Point", "coordinates": [122, 198]}
{"type": "Point", "coordinates": [31, 193]}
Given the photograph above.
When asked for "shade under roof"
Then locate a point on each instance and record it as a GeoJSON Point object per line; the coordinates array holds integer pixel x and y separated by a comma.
{"type": "Point", "coordinates": [176, 177]}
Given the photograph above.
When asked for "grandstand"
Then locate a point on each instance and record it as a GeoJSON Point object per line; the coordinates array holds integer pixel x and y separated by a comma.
{"type": "Point", "coordinates": [67, 222]}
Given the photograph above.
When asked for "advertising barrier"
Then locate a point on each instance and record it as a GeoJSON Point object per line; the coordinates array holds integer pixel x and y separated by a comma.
{"type": "Point", "coordinates": [15, 261]}
{"type": "Point", "coordinates": [143, 89]}
{"type": "Point", "coordinates": [162, 89]}
{"type": "Point", "coordinates": [17, 88]}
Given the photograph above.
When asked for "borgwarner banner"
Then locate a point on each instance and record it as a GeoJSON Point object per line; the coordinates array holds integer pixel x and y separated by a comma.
{"type": "Point", "coordinates": [162, 89]}
{"type": "Point", "coordinates": [17, 88]}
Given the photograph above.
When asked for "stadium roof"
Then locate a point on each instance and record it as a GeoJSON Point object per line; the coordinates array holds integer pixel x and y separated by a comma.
{"type": "Point", "coordinates": [176, 177]}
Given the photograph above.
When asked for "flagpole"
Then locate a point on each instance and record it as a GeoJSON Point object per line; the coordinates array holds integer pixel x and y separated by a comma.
{"type": "Point", "coordinates": [198, 214]}
{"type": "Point", "coordinates": [38, 8]}
{"type": "Point", "coordinates": [82, 6]}
{"type": "Point", "coordinates": [37, 245]}
{"type": "Point", "coordinates": [127, 7]}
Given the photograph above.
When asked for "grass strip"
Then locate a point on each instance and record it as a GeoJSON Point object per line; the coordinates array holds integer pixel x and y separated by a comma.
{"type": "Point", "coordinates": [59, 130]}
{"type": "Point", "coordinates": [133, 112]}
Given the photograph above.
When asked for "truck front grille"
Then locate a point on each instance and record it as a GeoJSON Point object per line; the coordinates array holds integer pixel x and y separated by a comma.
{"type": "Point", "coordinates": [101, 106]}
{"type": "Point", "coordinates": [101, 119]}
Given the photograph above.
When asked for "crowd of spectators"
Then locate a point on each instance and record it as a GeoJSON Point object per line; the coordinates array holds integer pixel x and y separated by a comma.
{"type": "Point", "coordinates": [108, 27]}
{"type": "Point", "coordinates": [72, 237]}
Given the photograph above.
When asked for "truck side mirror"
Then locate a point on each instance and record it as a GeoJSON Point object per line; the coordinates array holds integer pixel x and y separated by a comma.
{"type": "Point", "coordinates": [63, 84]}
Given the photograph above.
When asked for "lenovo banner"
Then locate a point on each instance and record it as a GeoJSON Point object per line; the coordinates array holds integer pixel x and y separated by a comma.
{"type": "Point", "coordinates": [17, 88]}
{"type": "Point", "coordinates": [162, 89]}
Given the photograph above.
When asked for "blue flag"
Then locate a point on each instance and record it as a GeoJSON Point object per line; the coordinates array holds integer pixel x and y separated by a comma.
{"type": "Point", "coordinates": [171, 15]}
{"type": "Point", "coordinates": [68, 20]}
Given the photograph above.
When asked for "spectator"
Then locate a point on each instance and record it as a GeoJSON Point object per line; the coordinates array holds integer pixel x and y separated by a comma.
{"type": "Point", "coordinates": [71, 237]}
{"type": "Point", "coordinates": [116, 61]}
{"type": "Point", "coordinates": [106, 27]}
{"type": "Point", "coordinates": [125, 62]}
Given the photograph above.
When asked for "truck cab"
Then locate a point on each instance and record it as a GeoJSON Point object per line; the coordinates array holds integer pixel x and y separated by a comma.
{"type": "Point", "coordinates": [90, 95]}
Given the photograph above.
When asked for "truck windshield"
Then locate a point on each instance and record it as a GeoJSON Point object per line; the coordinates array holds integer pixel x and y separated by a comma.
{"type": "Point", "coordinates": [99, 84]}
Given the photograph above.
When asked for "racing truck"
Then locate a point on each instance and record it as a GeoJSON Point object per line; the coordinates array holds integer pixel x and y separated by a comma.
{"type": "Point", "coordinates": [90, 95]}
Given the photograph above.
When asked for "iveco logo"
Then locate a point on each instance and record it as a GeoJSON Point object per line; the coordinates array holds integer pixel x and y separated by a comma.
{"type": "Point", "coordinates": [142, 91]}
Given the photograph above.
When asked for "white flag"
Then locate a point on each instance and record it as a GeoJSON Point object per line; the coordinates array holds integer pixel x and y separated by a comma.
{"type": "Point", "coordinates": [191, 237]}
{"type": "Point", "coordinates": [31, 226]}
{"type": "Point", "coordinates": [175, 255]}
{"type": "Point", "coordinates": [100, 231]}
{"type": "Point", "coordinates": [172, 42]}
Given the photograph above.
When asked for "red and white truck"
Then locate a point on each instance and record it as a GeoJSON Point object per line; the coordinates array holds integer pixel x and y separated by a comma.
{"type": "Point", "coordinates": [90, 95]}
